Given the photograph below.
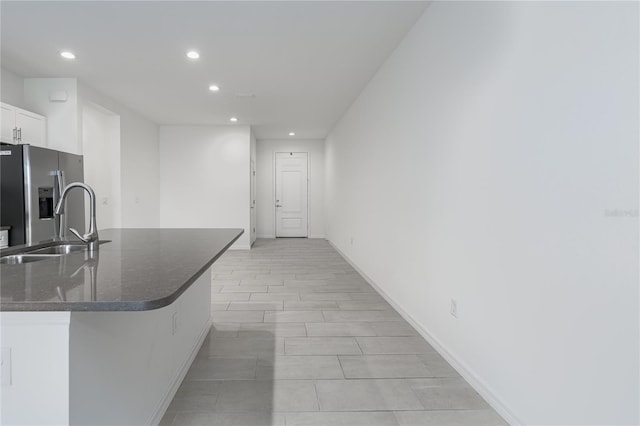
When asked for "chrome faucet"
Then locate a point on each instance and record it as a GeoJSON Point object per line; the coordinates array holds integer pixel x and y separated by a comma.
{"type": "Point", "coordinates": [91, 237]}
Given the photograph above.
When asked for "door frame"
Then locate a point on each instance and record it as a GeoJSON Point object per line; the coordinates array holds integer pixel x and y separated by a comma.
{"type": "Point", "coordinates": [275, 183]}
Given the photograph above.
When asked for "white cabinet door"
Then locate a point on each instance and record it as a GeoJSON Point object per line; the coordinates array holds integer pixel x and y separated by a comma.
{"type": "Point", "coordinates": [8, 118]}
{"type": "Point", "coordinates": [32, 128]}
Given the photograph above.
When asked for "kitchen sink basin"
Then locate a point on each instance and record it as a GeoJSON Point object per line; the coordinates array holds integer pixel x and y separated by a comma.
{"type": "Point", "coordinates": [43, 253]}
{"type": "Point", "coordinates": [61, 249]}
{"type": "Point", "coordinates": [17, 259]}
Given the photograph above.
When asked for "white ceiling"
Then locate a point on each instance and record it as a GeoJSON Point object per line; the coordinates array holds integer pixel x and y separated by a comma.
{"type": "Point", "coordinates": [306, 62]}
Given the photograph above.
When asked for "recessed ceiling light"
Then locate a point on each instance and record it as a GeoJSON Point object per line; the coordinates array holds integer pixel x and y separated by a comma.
{"type": "Point", "coordinates": [233, 119]}
{"type": "Point", "coordinates": [67, 55]}
{"type": "Point", "coordinates": [192, 54]}
{"type": "Point", "coordinates": [292, 134]}
{"type": "Point", "coordinates": [214, 88]}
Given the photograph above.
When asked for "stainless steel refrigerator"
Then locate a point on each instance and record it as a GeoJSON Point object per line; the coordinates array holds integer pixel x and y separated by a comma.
{"type": "Point", "coordinates": [31, 180]}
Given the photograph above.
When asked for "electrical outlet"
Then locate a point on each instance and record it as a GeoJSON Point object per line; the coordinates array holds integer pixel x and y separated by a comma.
{"type": "Point", "coordinates": [5, 366]}
{"type": "Point", "coordinates": [454, 308]}
{"type": "Point", "coordinates": [174, 324]}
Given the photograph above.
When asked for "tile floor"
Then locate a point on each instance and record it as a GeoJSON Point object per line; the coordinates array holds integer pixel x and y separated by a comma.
{"type": "Point", "coordinates": [300, 338]}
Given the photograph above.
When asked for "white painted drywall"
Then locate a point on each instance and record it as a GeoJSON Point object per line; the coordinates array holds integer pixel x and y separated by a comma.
{"type": "Point", "coordinates": [37, 392]}
{"type": "Point", "coordinates": [204, 178]}
{"type": "Point", "coordinates": [63, 118]}
{"type": "Point", "coordinates": [139, 161]}
{"type": "Point", "coordinates": [101, 147]}
{"type": "Point", "coordinates": [11, 88]}
{"type": "Point", "coordinates": [493, 159]}
{"type": "Point", "coordinates": [265, 202]}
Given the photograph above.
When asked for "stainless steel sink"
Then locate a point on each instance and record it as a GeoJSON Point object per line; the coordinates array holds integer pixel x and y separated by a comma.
{"type": "Point", "coordinates": [17, 259]}
{"type": "Point", "coordinates": [56, 249]}
{"type": "Point", "coordinates": [61, 249]}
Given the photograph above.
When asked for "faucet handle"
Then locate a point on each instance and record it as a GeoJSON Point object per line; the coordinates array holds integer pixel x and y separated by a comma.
{"type": "Point", "coordinates": [77, 234]}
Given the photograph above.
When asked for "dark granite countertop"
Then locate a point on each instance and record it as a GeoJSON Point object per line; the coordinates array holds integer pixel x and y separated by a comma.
{"type": "Point", "coordinates": [139, 269]}
{"type": "Point", "coordinates": [4, 228]}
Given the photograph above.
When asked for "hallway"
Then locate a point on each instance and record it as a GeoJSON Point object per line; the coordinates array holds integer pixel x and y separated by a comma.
{"type": "Point", "coordinates": [300, 338]}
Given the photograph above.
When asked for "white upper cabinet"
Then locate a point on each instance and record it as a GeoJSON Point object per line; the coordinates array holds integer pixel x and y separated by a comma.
{"type": "Point", "coordinates": [22, 127]}
{"type": "Point", "coordinates": [8, 120]}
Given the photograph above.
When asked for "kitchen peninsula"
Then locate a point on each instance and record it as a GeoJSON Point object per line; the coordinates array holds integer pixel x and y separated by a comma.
{"type": "Point", "coordinates": [106, 338]}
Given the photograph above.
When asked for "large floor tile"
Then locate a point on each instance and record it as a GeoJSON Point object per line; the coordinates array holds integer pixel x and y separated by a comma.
{"type": "Point", "coordinates": [355, 316]}
{"type": "Point", "coordinates": [228, 297]}
{"type": "Point", "coordinates": [394, 345]}
{"type": "Point", "coordinates": [437, 365]}
{"type": "Point", "coordinates": [366, 395]}
{"type": "Point", "coordinates": [383, 367]}
{"type": "Point", "coordinates": [461, 397]}
{"type": "Point", "coordinates": [324, 296]}
{"type": "Point", "coordinates": [262, 281]}
{"type": "Point", "coordinates": [267, 395]}
{"type": "Point", "coordinates": [293, 316]}
{"type": "Point", "coordinates": [244, 346]}
{"type": "Point", "coordinates": [363, 305]}
{"type": "Point", "coordinates": [222, 369]}
{"type": "Point", "coordinates": [337, 329]}
{"type": "Point", "coordinates": [219, 306]}
{"type": "Point", "coordinates": [256, 418]}
{"type": "Point", "coordinates": [256, 306]}
{"type": "Point", "coordinates": [450, 418]}
{"type": "Point", "coordinates": [195, 396]}
{"type": "Point", "coordinates": [363, 418]}
{"type": "Point", "coordinates": [280, 329]}
{"type": "Point", "coordinates": [244, 289]}
{"type": "Point", "coordinates": [273, 296]}
{"type": "Point", "coordinates": [299, 367]}
{"type": "Point", "coordinates": [312, 305]}
{"type": "Point", "coordinates": [237, 316]}
{"type": "Point", "coordinates": [321, 346]}
{"type": "Point", "coordinates": [393, 328]}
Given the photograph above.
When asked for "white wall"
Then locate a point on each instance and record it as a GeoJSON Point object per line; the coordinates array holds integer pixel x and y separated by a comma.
{"type": "Point", "coordinates": [139, 161]}
{"type": "Point", "coordinates": [11, 88]}
{"type": "Point", "coordinates": [493, 159]}
{"type": "Point", "coordinates": [101, 147]}
{"type": "Point", "coordinates": [253, 190]}
{"type": "Point", "coordinates": [204, 178]}
{"type": "Point", "coordinates": [266, 150]}
{"type": "Point", "coordinates": [63, 118]}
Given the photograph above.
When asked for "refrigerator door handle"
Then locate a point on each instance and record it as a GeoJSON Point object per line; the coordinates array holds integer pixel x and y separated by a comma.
{"type": "Point", "coordinates": [58, 185]}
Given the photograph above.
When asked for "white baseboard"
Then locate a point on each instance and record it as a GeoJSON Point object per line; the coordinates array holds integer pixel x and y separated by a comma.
{"type": "Point", "coordinates": [268, 236]}
{"type": "Point", "coordinates": [240, 247]}
{"type": "Point", "coordinates": [321, 236]}
{"type": "Point", "coordinates": [171, 392]}
{"type": "Point", "coordinates": [460, 366]}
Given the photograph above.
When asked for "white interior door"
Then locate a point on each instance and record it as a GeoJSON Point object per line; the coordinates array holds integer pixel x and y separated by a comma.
{"type": "Point", "coordinates": [291, 194]}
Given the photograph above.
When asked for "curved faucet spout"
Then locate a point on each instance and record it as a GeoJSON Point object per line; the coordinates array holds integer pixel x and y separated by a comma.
{"type": "Point", "coordinates": [91, 237]}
